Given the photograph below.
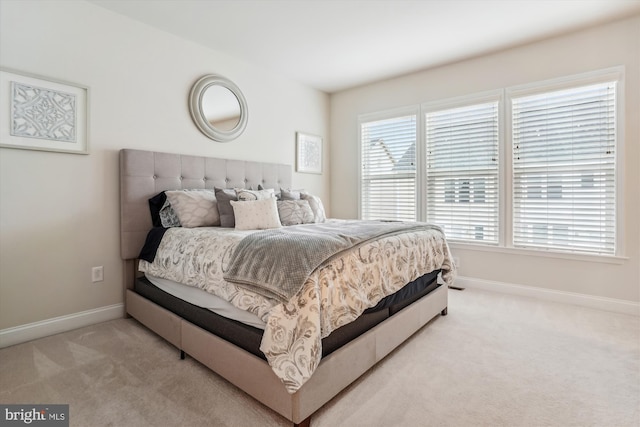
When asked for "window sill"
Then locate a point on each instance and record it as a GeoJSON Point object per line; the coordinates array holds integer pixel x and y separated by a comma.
{"type": "Point", "coordinates": [605, 259]}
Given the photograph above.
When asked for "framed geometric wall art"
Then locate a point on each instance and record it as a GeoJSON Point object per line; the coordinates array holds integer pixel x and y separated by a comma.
{"type": "Point", "coordinates": [308, 153]}
{"type": "Point", "coordinates": [38, 113]}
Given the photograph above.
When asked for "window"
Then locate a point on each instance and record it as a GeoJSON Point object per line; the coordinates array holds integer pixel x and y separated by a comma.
{"type": "Point", "coordinates": [388, 174]}
{"type": "Point", "coordinates": [462, 171]}
{"type": "Point", "coordinates": [564, 169]}
{"type": "Point", "coordinates": [546, 180]}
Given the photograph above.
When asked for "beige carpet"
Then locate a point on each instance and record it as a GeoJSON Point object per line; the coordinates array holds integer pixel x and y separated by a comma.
{"type": "Point", "coordinates": [495, 360]}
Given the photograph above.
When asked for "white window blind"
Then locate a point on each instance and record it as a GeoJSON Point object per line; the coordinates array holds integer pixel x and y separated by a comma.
{"type": "Point", "coordinates": [564, 169]}
{"type": "Point", "coordinates": [462, 171]}
{"type": "Point", "coordinates": [388, 159]}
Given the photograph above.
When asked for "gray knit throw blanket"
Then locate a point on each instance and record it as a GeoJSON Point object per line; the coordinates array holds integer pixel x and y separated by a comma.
{"type": "Point", "coordinates": [276, 263]}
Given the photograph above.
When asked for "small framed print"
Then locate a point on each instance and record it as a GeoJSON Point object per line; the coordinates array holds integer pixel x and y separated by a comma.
{"type": "Point", "coordinates": [308, 153]}
{"type": "Point", "coordinates": [37, 113]}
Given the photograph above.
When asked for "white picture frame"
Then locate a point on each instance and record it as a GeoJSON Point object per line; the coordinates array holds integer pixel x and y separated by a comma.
{"type": "Point", "coordinates": [39, 113]}
{"type": "Point", "coordinates": [308, 153]}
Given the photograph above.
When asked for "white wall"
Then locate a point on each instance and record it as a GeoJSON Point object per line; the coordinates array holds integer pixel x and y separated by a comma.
{"type": "Point", "coordinates": [59, 213]}
{"type": "Point", "coordinates": [600, 47]}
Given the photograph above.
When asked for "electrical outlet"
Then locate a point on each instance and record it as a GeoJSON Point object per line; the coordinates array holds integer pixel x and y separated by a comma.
{"type": "Point", "coordinates": [97, 274]}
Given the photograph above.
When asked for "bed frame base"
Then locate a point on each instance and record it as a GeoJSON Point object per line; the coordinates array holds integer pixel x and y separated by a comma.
{"type": "Point", "coordinates": [305, 423]}
{"type": "Point", "coordinates": [143, 174]}
{"type": "Point", "coordinates": [256, 378]}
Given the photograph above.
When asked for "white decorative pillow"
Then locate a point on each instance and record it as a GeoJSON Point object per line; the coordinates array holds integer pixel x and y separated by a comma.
{"type": "Point", "coordinates": [245, 195]}
{"type": "Point", "coordinates": [256, 214]}
{"type": "Point", "coordinates": [294, 212]}
{"type": "Point", "coordinates": [195, 208]}
{"type": "Point", "coordinates": [316, 206]}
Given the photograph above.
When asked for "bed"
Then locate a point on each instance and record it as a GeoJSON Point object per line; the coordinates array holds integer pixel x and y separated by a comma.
{"type": "Point", "coordinates": [236, 349]}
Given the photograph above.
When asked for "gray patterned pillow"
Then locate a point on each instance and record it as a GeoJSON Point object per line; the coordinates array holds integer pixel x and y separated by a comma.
{"type": "Point", "coordinates": [294, 212]}
{"type": "Point", "coordinates": [316, 206]}
{"type": "Point", "coordinates": [195, 208]}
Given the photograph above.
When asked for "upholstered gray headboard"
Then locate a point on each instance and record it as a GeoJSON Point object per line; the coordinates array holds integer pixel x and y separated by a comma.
{"type": "Point", "coordinates": [143, 174]}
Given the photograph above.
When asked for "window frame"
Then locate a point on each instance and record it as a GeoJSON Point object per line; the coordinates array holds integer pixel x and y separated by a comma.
{"type": "Point", "coordinates": [460, 102]}
{"type": "Point", "coordinates": [384, 115]}
{"type": "Point", "coordinates": [568, 82]}
{"type": "Point", "coordinates": [505, 166]}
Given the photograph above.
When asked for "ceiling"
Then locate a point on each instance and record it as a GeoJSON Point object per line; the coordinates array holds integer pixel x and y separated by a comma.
{"type": "Point", "coordinates": [333, 45]}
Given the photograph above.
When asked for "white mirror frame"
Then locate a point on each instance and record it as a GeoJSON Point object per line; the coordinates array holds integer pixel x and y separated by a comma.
{"type": "Point", "coordinates": [195, 107]}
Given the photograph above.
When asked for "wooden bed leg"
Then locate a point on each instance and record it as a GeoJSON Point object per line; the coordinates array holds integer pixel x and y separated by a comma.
{"type": "Point", "coordinates": [182, 355]}
{"type": "Point", "coordinates": [305, 423]}
{"type": "Point", "coordinates": [444, 311]}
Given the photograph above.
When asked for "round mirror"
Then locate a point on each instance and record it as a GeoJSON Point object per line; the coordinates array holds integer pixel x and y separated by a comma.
{"type": "Point", "coordinates": [221, 108]}
{"type": "Point", "coordinates": [218, 108]}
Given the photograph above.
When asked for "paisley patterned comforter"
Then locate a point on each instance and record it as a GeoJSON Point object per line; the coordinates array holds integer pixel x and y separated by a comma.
{"type": "Point", "coordinates": [335, 294]}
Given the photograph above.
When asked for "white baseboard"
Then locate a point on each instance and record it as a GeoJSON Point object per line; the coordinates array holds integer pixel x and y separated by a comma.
{"type": "Point", "coordinates": [44, 328]}
{"type": "Point", "coordinates": [584, 300]}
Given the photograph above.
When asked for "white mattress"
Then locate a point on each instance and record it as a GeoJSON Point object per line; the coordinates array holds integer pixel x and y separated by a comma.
{"type": "Point", "coordinates": [206, 300]}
